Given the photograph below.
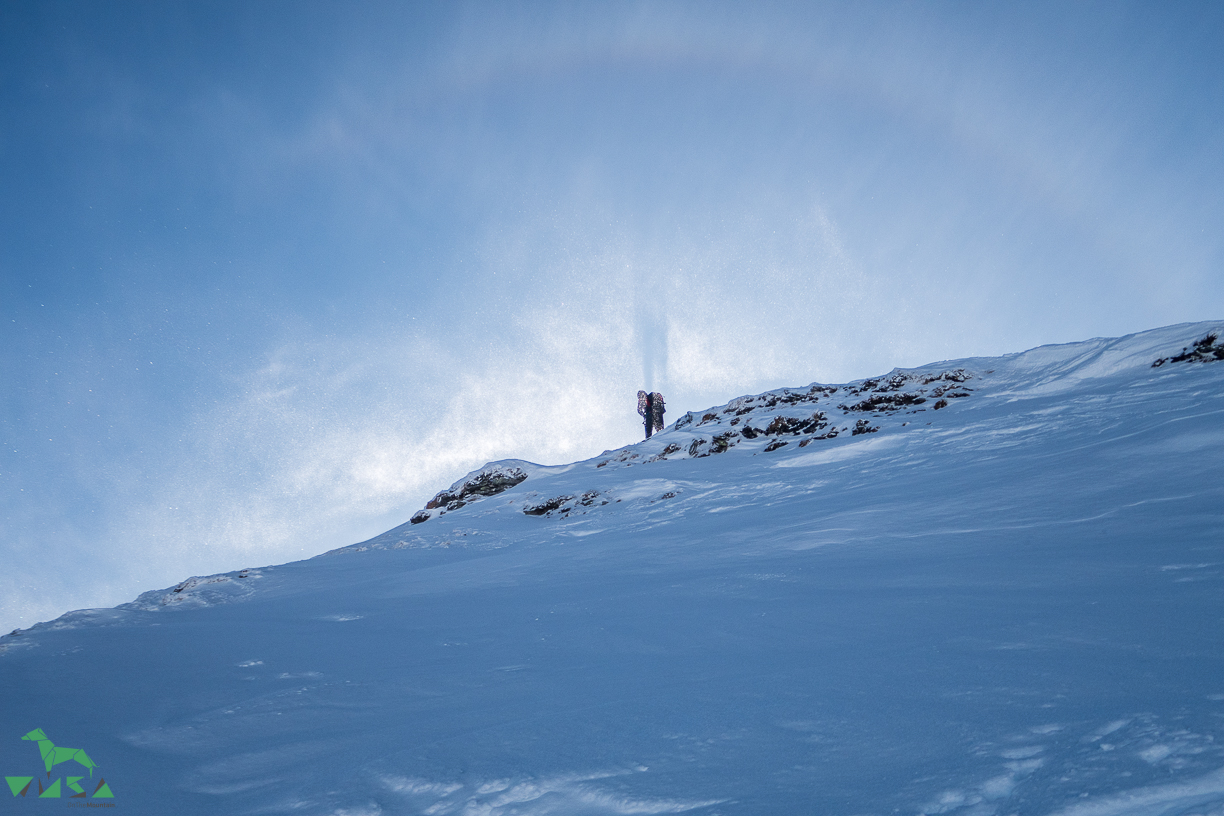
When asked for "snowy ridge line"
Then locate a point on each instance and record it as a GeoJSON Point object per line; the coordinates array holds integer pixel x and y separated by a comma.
{"type": "Point", "coordinates": [759, 423]}
{"type": "Point", "coordinates": [777, 422]}
{"type": "Point", "coordinates": [199, 591]}
{"type": "Point", "coordinates": [817, 413]}
{"type": "Point", "coordinates": [196, 592]}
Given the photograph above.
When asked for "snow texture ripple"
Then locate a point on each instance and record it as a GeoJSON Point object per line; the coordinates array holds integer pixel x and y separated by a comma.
{"type": "Point", "coordinates": [986, 586]}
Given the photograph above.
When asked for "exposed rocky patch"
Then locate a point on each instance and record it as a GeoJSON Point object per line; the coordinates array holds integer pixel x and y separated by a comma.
{"type": "Point", "coordinates": [747, 404]}
{"type": "Point", "coordinates": [661, 455]}
{"type": "Point", "coordinates": [830, 434]}
{"type": "Point", "coordinates": [796, 426]}
{"type": "Point", "coordinates": [885, 402]}
{"type": "Point", "coordinates": [623, 456]}
{"type": "Point", "coordinates": [720, 443]}
{"type": "Point", "coordinates": [723, 441]}
{"type": "Point", "coordinates": [879, 384]}
{"type": "Point", "coordinates": [883, 395]}
{"type": "Point", "coordinates": [751, 417]}
{"type": "Point", "coordinates": [956, 375]}
{"type": "Point", "coordinates": [563, 505]}
{"type": "Point", "coordinates": [545, 506]}
{"type": "Point", "coordinates": [1205, 350]}
{"type": "Point", "coordinates": [490, 480]}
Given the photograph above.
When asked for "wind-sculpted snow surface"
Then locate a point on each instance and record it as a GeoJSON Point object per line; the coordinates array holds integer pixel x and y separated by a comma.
{"type": "Point", "coordinates": [1008, 603]}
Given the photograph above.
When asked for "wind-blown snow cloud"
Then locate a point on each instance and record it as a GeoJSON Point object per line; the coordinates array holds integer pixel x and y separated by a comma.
{"type": "Point", "coordinates": [263, 301]}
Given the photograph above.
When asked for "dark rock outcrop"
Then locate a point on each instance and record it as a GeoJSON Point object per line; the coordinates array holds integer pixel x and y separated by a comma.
{"type": "Point", "coordinates": [539, 508]}
{"type": "Point", "coordinates": [885, 402]}
{"type": "Point", "coordinates": [489, 482]}
{"type": "Point", "coordinates": [1205, 350]}
{"type": "Point", "coordinates": [795, 425]}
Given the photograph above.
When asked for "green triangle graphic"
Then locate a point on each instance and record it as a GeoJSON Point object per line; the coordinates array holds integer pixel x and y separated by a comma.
{"type": "Point", "coordinates": [52, 792]}
{"type": "Point", "coordinates": [103, 791]}
{"type": "Point", "coordinates": [18, 784]}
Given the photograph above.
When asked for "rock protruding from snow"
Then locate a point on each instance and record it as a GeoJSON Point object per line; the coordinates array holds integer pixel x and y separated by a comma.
{"type": "Point", "coordinates": [493, 478]}
{"type": "Point", "coordinates": [1205, 350]}
{"type": "Point", "coordinates": [562, 505]}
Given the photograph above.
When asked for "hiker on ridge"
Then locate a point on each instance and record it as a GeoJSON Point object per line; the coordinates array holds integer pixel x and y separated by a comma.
{"type": "Point", "coordinates": [651, 408]}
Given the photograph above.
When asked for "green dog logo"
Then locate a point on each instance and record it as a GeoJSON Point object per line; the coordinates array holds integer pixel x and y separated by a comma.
{"type": "Point", "coordinates": [53, 755]}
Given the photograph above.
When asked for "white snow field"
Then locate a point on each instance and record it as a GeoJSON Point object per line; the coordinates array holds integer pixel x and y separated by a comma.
{"type": "Point", "coordinates": [1010, 605]}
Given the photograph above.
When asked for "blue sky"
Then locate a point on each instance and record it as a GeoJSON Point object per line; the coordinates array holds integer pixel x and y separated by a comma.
{"type": "Point", "coordinates": [272, 274]}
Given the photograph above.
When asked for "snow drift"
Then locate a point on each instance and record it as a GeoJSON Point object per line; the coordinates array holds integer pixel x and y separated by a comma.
{"type": "Point", "coordinates": [985, 586]}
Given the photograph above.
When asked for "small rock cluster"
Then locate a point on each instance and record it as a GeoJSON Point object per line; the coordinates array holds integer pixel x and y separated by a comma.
{"type": "Point", "coordinates": [563, 505]}
{"type": "Point", "coordinates": [1205, 350]}
{"type": "Point", "coordinates": [487, 482]}
{"type": "Point", "coordinates": [886, 395]}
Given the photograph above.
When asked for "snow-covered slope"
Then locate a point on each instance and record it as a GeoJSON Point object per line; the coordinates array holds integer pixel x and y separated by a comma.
{"type": "Point", "coordinates": [1013, 603]}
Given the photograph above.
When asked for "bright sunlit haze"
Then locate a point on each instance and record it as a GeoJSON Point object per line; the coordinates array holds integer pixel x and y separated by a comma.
{"type": "Point", "coordinates": [272, 275]}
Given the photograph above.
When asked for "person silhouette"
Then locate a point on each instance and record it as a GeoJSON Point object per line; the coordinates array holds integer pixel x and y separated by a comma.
{"type": "Point", "coordinates": [651, 408]}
